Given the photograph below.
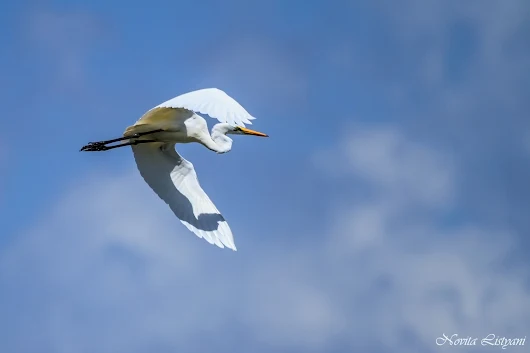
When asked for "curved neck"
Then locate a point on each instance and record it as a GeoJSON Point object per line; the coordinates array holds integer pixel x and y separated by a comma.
{"type": "Point", "coordinates": [218, 141]}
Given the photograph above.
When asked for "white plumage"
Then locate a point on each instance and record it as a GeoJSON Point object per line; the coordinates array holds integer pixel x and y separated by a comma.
{"type": "Point", "coordinates": [174, 180]}
{"type": "Point", "coordinates": [214, 102]}
{"type": "Point", "coordinates": [172, 177]}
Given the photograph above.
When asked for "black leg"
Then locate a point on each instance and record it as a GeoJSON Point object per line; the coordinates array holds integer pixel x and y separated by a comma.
{"type": "Point", "coordinates": [92, 145]}
{"type": "Point", "coordinates": [97, 148]}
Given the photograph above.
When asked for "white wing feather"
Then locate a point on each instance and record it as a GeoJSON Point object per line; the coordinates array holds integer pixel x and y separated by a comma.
{"type": "Point", "coordinates": [174, 180]}
{"type": "Point", "coordinates": [214, 102]}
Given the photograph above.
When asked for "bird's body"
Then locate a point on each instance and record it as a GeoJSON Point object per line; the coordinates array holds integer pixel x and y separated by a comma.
{"type": "Point", "coordinates": [173, 178]}
{"type": "Point", "coordinates": [178, 125]}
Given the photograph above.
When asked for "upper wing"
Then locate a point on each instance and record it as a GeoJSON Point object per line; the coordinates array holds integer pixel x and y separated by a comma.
{"type": "Point", "coordinates": [214, 102]}
{"type": "Point", "coordinates": [174, 179]}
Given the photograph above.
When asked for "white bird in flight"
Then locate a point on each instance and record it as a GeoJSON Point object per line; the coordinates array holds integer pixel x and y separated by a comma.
{"type": "Point", "coordinates": [173, 178]}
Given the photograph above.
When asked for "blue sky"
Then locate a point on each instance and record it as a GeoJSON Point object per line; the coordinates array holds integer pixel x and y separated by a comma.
{"type": "Point", "coordinates": [389, 205]}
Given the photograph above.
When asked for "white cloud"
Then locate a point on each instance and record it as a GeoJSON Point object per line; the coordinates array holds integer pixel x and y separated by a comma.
{"type": "Point", "coordinates": [111, 273]}
{"type": "Point", "coordinates": [392, 162]}
{"type": "Point", "coordinates": [288, 307]}
{"type": "Point", "coordinates": [438, 277]}
{"type": "Point", "coordinates": [398, 166]}
{"type": "Point", "coordinates": [104, 271]}
{"type": "Point", "coordinates": [456, 59]}
{"type": "Point", "coordinates": [109, 269]}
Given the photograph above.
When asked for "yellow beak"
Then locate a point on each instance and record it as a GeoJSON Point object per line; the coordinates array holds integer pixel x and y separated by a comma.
{"type": "Point", "coordinates": [252, 132]}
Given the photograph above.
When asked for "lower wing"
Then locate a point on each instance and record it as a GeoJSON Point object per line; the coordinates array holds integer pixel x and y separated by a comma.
{"type": "Point", "coordinates": [174, 180]}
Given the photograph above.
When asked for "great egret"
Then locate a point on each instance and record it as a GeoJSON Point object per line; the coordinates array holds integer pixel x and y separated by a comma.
{"type": "Point", "coordinates": [172, 177]}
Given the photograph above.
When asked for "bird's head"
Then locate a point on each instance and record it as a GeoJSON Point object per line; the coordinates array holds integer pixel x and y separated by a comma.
{"type": "Point", "coordinates": [238, 130]}
{"type": "Point", "coordinates": [223, 142]}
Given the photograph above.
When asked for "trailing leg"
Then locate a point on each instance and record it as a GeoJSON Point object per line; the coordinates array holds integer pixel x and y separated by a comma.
{"type": "Point", "coordinates": [102, 147]}
{"type": "Point", "coordinates": [98, 146]}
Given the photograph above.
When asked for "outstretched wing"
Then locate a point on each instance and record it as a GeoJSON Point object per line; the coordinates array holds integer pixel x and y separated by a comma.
{"type": "Point", "coordinates": [174, 180]}
{"type": "Point", "coordinates": [214, 102]}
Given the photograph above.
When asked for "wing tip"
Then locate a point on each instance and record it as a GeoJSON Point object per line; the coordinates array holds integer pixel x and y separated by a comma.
{"type": "Point", "coordinates": [219, 243]}
{"type": "Point", "coordinates": [213, 239]}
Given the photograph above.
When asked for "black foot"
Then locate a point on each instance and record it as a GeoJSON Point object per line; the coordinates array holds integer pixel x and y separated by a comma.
{"type": "Point", "coordinates": [94, 147]}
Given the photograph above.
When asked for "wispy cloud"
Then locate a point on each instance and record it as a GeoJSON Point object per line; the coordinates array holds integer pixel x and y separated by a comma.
{"type": "Point", "coordinates": [401, 258]}
{"type": "Point", "coordinates": [461, 63]}
{"type": "Point", "coordinates": [131, 275]}
{"type": "Point", "coordinates": [110, 259]}
{"type": "Point", "coordinates": [428, 275]}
